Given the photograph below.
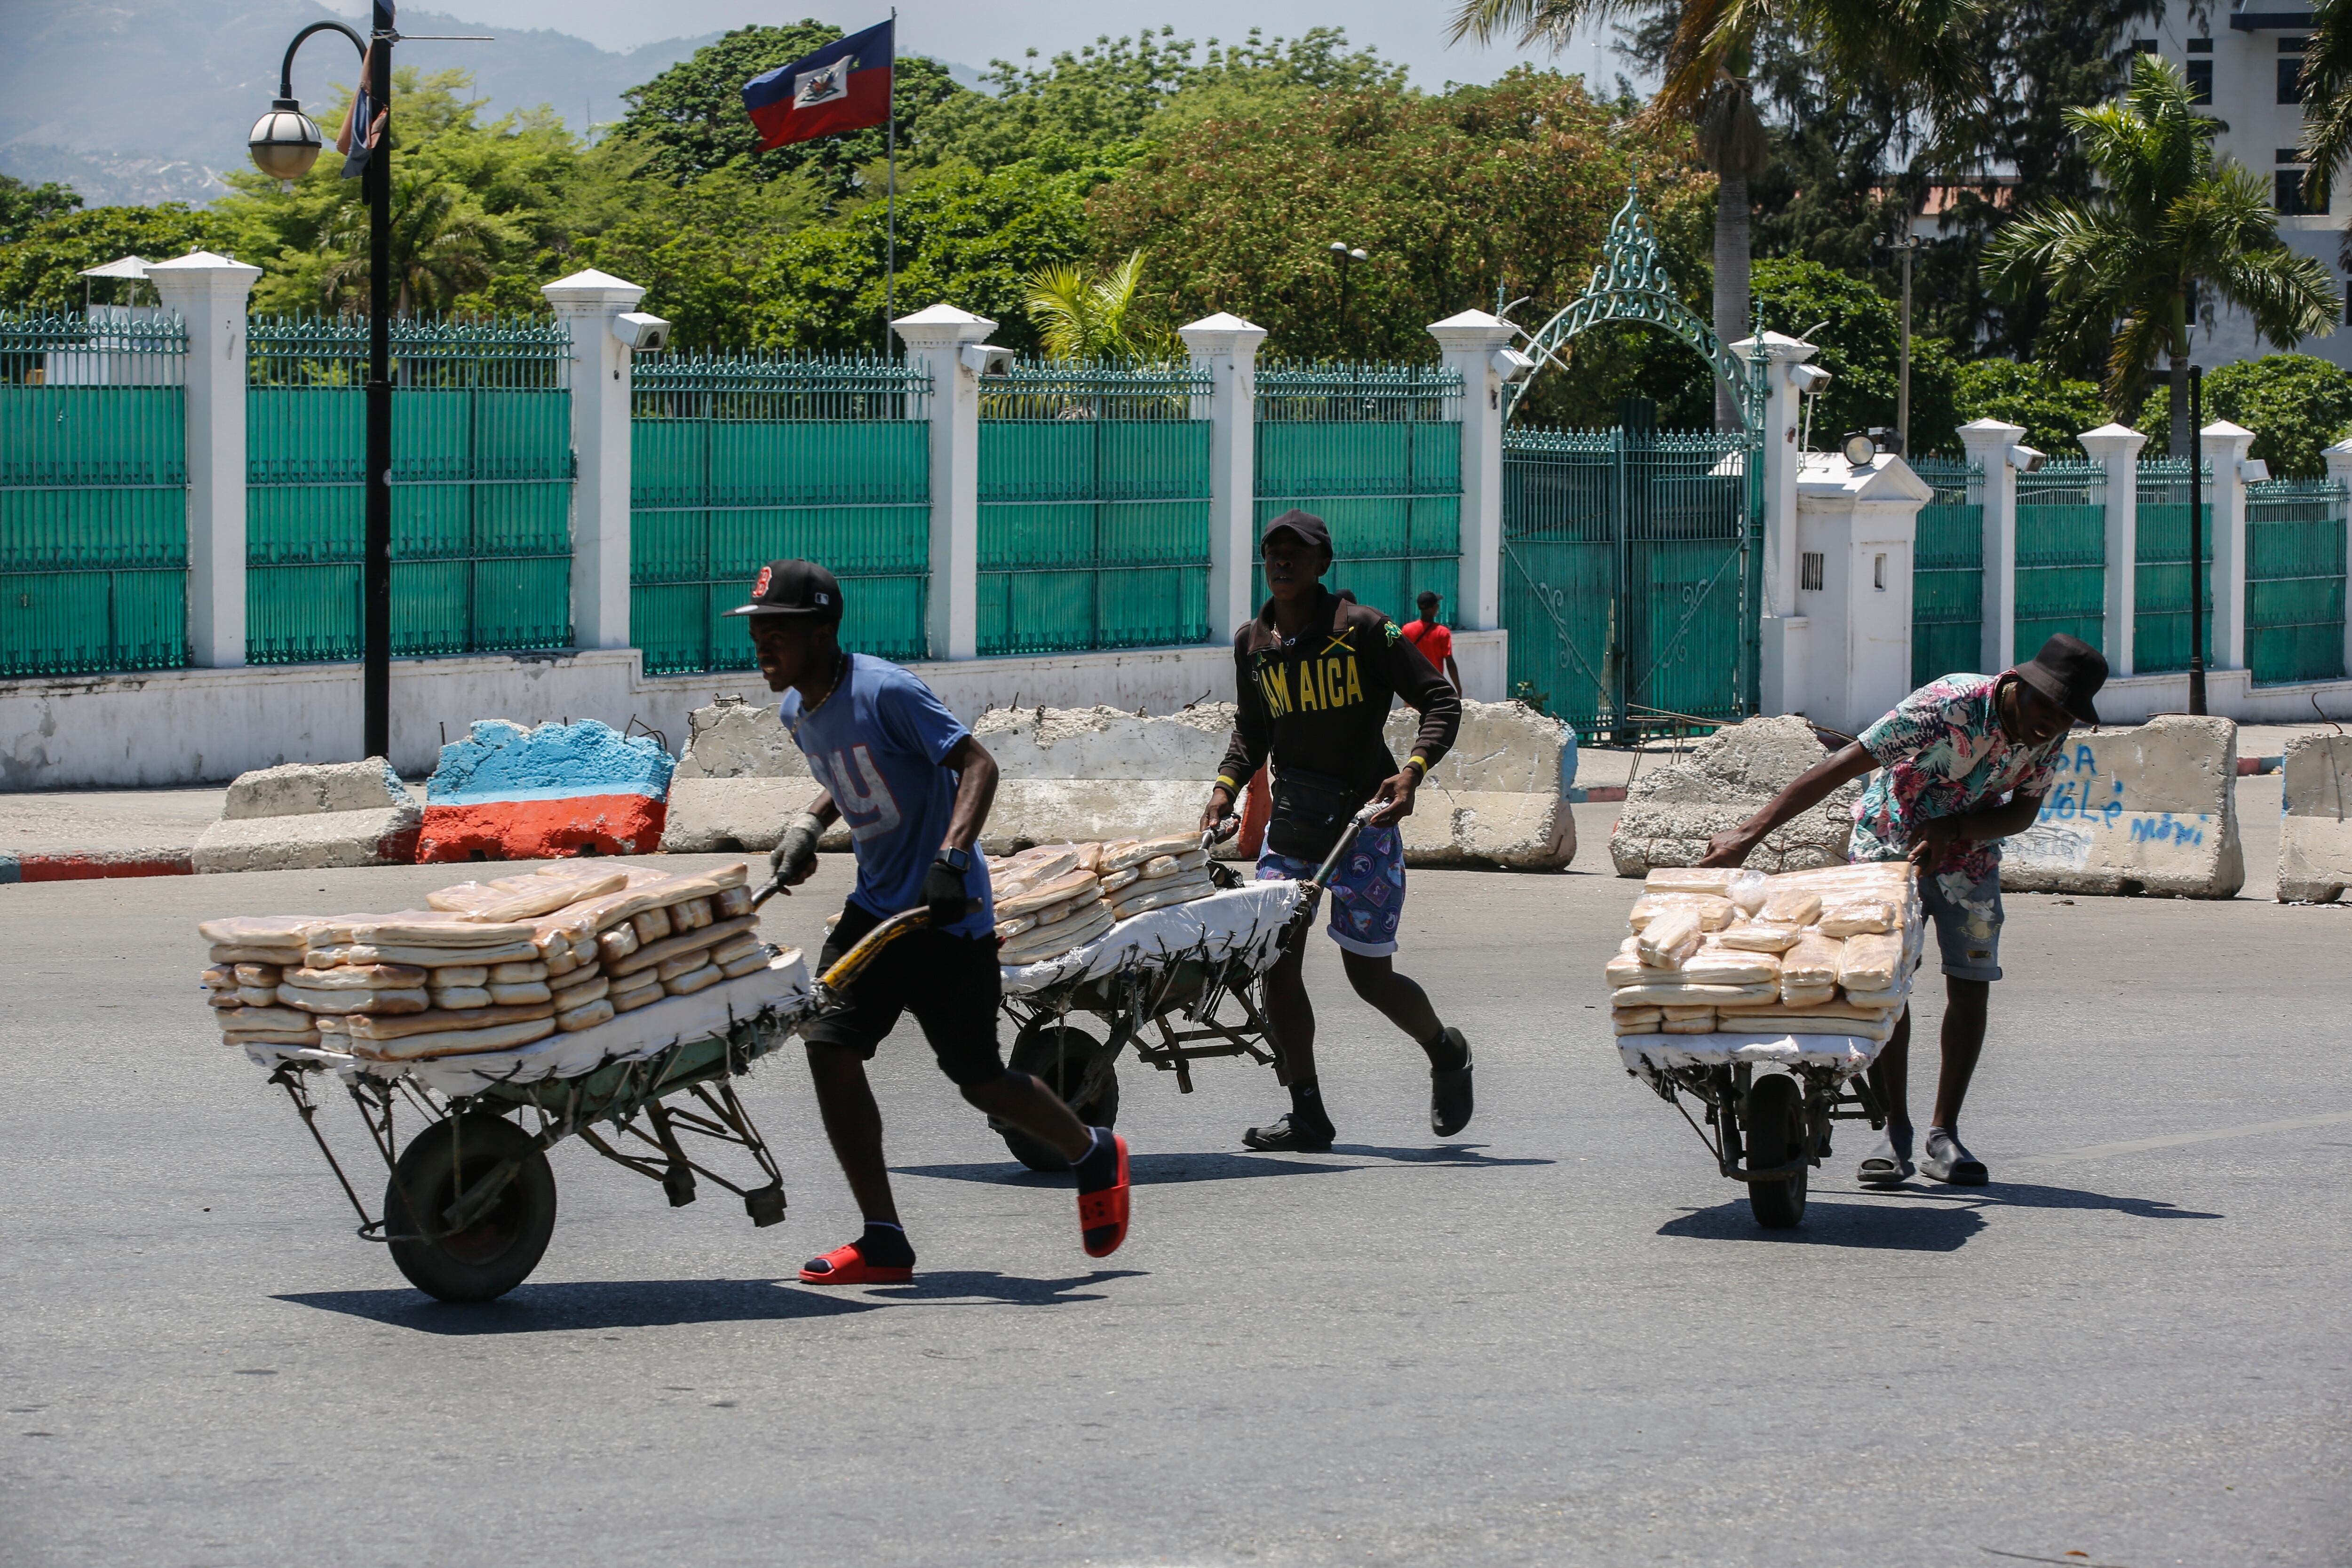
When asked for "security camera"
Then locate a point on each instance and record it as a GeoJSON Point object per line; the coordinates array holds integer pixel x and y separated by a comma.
{"type": "Point", "coordinates": [645, 334]}
{"type": "Point", "coordinates": [2253, 470]}
{"type": "Point", "coordinates": [1511, 365]}
{"type": "Point", "coordinates": [2025, 459]}
{"type": "Point", "coordinates": [1808, 379]}
{"type": "Point", "coordinates": [986, 359]}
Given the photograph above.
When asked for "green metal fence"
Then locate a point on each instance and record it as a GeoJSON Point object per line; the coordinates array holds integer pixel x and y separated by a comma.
{"type": "Point", "coordinates": [2294, 580]}
{"type": "Point", "coordinates": [2160, 574]}
{"type": "Point", "coordinates": [1947, 572]}
{"type": "Point", "coordinates": [1094, 507]}
{"type": "Point", "coordinates": [1375, 450]}
{"type": "Point", "coordinates": [93, 493]}
{"type": "Point", "coordinates": [2061, 555]}
{"type": "Point", "coordinates": [481, 487]}
{"type": "Point", "coordinates": [737, 460]}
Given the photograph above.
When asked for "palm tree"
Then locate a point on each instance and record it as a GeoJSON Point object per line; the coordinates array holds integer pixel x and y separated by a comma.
{"type": "Point", "coordinates": [1081, 317]}
{"type": "Point", "coordinates": [1918, 45]}
{"type": "Point", "coordinates": [2127, 269]}
{"type": "Point", "coordinates": [443, 242]}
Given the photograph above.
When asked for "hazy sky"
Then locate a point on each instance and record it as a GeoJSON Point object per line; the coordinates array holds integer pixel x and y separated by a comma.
{"type": "Point", "coordinates": [1411, 31]}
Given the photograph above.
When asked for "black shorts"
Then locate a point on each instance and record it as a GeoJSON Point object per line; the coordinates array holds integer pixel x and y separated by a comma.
{"type": "Point", "coordinates": [952, 982]}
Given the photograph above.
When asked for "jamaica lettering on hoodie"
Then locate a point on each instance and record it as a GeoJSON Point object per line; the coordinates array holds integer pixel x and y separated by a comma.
{"type": "Point", "coordinates": [1314, 684]}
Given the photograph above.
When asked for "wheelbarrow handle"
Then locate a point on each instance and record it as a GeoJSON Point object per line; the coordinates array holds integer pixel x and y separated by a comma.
{"type": "Point", "coordinates": [849, 965]}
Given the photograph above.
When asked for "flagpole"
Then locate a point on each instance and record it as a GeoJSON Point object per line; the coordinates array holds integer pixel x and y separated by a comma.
{"type": "Point", "coordinates": [890, 277]}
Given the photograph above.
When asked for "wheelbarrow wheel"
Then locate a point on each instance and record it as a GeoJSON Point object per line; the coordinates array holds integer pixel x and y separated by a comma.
{"type": "Point", "coordinates": [1776, 1135]}
{"type": "Point", "coordinates": [494, 1251]}
{"type": "Point", "coordinates": [1059, 1056]}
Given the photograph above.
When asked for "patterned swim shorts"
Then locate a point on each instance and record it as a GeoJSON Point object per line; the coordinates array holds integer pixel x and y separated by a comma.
{"type": "Point", "coordinates": [1367, 891]}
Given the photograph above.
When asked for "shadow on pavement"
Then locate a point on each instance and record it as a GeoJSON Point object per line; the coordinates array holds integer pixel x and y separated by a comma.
{"type": "Point", "coordinates": [1938, 1228]}
{"type": "Point", "coordinates": [987, 1285]}
{"type": "Point", "coordinates": [2026, 1196]}
{"type": "Point", "coordinates": [591, 1304]}
{"type": "Point", "coordinates": [1162, 1169]}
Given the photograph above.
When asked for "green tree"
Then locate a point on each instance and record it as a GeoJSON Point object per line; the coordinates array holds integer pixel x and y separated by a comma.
{"type": "Point", "coordinates": [1083, 315]}
{"type": "Point", "coordinates": [1861, 345]}
{"type": "Point", "coordinates": [691, 120]}
{"type": "Point", "coordinates": [2327, 105]}
{"type": "Point", "coordinates": [40, 271]}
{"type": "Point", "coordinates": [23, 206]}
{"type": "Point", "coordinates": [1710, 60]}
{"type": "Point", "coordinates": [1454, 196]}
{"type": "Point", "coordinates": [2122, 268]}
{"type": "Point", "coordinates": [2052, 408]}
{"type": "Point", "coordinates": [2297, 405]}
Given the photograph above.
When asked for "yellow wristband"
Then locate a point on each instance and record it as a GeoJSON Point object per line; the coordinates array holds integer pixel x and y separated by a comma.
{"type": "Point", "coordinates": [1227, 784]}
{"type": "Point", "coordinates": [1418, 763]}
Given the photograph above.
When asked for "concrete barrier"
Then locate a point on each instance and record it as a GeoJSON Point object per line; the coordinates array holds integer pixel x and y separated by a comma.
{"type": "Point", "coordinates": [1672, 811]}
{"type": "Point", "coordinates": [2150, 809]}
{"type": "Point", "coordinates": [511, 793]}
{"type": "Point", "coordinates": [1097, 773]}
{"type": "Point", "coordinates": [303, 816]}
{"type": "Point", "coordinates": [2316, 833]}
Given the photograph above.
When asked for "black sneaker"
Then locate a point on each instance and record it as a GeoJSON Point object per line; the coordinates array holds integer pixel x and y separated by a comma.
{"type": "Point", "coordinates": [1286, 1136]}
{"type": "Point", "coordinates": [1948, 1159]}
{"type": "Point", "coordinates": [1449, 1092]}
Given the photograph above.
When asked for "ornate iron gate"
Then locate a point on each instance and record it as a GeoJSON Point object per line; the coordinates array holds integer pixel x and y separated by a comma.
{"type": "Point", "coordinates": [1632, 570]}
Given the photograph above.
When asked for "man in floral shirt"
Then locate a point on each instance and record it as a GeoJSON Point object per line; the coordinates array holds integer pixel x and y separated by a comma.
{"type": "Point", "coordinates": [1962, 764]}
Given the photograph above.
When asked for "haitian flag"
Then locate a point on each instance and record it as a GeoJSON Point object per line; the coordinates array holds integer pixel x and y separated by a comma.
{"type": "Point", "coordinates": [845, 86]}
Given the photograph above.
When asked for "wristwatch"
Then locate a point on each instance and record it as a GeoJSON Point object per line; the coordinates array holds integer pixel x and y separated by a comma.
{"type": "Point", "coordinates": [956, 860]}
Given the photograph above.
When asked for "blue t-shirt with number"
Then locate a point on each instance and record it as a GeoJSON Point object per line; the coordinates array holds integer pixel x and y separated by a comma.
{"type": "Point", "coordinates": [879, 745]}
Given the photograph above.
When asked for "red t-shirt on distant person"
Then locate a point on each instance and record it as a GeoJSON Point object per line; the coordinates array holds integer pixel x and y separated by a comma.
{"type": "Point", "coordinates": [1436, 644]}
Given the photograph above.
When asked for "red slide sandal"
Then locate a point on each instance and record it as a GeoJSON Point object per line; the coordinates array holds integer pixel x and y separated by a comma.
{"type": "Point", "coordinates": [844, 1265]}
{"type": "Point", "coordinates": [1102, 1214]}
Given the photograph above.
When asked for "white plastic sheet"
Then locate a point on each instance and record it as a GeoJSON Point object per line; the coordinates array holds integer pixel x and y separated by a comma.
{"type": "Point", "coordinates": [1849, 1054]}
{"type": "Point", "coordinates": [1243, 920]}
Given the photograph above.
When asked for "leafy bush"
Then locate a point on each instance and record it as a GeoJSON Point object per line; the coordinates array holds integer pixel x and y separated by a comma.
{"type": "Point", "coordinates": [1860, 334]}
{"type": "Point", "coordinates": [2052, 409]}
{"type": "Point", "coordinates": [2297, 405]}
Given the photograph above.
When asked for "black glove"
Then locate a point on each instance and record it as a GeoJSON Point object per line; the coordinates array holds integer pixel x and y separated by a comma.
{"type": "Point", "coordinates": [794, 856]}
{"type": "Point", "coordinates": [943, 890]}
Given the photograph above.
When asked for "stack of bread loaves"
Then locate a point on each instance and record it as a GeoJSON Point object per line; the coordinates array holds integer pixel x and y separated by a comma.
{"type": "Point", "coordinates": [488, 967]}
{"type": "Point", "coordinates": [1826, 951]}
{"type": "Point", "coordinates": [1057, 896]}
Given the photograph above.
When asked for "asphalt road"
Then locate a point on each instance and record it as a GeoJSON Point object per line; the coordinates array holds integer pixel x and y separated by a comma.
{"type": "Point", "coordinates": [1559, 1339]}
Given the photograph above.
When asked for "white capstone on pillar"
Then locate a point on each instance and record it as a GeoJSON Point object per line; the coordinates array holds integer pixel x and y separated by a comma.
{"type": "Point", "coordinates": [2116, 448]}
{"type": "Point", "coordinates": [1989, 444]}
{"type": "Point", "coordinates": [2225, 453]}
{"type": "Point", "coordinates": [1225, 347]}
{"type": "Point", "coordinates": [208, 293]}
{"type": "Point", "coordinates": [936, 338]}
{"type": "Point", "coordinates": [2340, 468]}
{"type": "Point", "coordinates": [587, 303]}
{"type": "Point", "coordinates": [1783, 632]}
{"type": "Point", "coordinates": [1469, 343]}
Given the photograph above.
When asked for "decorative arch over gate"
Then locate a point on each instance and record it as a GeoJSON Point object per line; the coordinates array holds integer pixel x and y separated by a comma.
{"type": "Point", "coordinates": [1630, 283]}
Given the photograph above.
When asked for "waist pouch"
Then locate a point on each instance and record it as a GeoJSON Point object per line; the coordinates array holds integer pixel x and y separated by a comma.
{"type": "Point", "coordinates": [1310, 812]}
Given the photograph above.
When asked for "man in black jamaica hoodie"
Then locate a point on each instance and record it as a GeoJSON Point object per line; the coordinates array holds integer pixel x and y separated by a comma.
{"type": "Point", "coordinates": [1315, 676]}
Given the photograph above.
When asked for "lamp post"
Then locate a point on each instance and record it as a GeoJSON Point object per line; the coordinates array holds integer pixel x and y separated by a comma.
{"type": "Point", "coordinates": [1905, 249]}
{"type": "Point", "coordinates": [285, 143]}
{"type": "Point", "coordinates": [2196, 539]}
{"type": "Point", "coordinates": [1345, 257]}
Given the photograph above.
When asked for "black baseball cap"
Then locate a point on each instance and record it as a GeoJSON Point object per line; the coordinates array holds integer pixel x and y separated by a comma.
{"type": "Point", "coordinates": [2069, 671]}
{"type": "Point", "coordinates": [1308, 527]}
{"type": "Point", "coordinates": [794, 588]}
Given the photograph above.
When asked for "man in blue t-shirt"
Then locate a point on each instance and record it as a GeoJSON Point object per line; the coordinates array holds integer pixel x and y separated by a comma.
{"type": "Point", "coordinates": [915, 787]}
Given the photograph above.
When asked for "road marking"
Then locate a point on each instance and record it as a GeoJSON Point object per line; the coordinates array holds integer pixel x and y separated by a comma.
{"type": "Point", "coordinates": [2138, 1145]}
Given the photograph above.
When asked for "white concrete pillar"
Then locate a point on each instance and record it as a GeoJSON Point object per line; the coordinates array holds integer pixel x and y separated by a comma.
{"type": "Point", "coordinates": [2225, 452]}
{"type": "Point", "coordinates": [1469, 343]}
{"type": "Point", "coordinates": [936, 339]}
{"type": "Point", "coordinates": [1988, 444]}
{"type": "Point", "coordinates": [2115, 449]}
{"type": "Point", "coordinates": [2340, 468]}
{"type": "Point", "coordinates": [1784, 630]}
{"type": "Point", "coordinates": [587, 302]}
{"type": "Point", "coordinates": [208, 293]}
{"type": "Point", "coordinates": [1225, 346]}
{"type": "Point", "coordinates": [1863, 523]}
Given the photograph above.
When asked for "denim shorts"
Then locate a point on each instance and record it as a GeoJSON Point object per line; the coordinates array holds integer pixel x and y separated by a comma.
{"type": "Point", "coordinates": [1967, 918]}
{"type": "Point", "coordinates": [1366, 893]}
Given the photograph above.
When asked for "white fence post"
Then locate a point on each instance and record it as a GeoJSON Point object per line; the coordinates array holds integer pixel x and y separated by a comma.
{"type": "Point", "coordinates": [1226, 347]}
{"type": "Point", "coordinates": [2116, 447]}
{"type": "Point", "coordinates": [1987, 443]}
{"type": "Point", "coordinates": [2225, 452]}
{"type": "Point", "coordinates": [208, 292]}
{"type": "Point", "coordinates": [1785, 675]}
{"type": "Point", "coordinates": [587, 303]}
{"type": "Point", "coordinates": [1467, 344]}
{"type": "Point", "coordinates": [937, 338]}
{"type": "Point", "coordinates": [2340, 468]}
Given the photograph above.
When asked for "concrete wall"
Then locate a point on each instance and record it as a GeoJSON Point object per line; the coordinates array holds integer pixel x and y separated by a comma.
{"type": "Point", "coordinates": [2314, 835]}
{"type": "Point", "coordinates": [2151, 809]}
{"type": "Point", "coordinates": [1671, 812]}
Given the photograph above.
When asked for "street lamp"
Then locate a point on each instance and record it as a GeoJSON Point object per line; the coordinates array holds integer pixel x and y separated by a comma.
{"type": "Point", "coordinates": [1906, 248]}
{"type": "Point", "coordinates": [285, 144]}
{"type": "Point", "coordinates": [1345, 257]}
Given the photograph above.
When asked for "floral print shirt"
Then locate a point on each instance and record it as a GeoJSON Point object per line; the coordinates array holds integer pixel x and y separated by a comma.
{"type": "Point", "coordinates": [1942, 753]}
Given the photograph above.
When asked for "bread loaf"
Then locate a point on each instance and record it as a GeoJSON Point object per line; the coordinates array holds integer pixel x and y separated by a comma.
{"type": "Point", "coordinates": [1814, 961]}
{"type": "Point", "coordinates": [694, 980]}
{"type": "Point", "coordinates": [652, 924]}
{"type": "Point", "coordinates": [1791, 906]}
{"type": "Point", "coordinates": [260, 973]}
{"type": "Point", "coordinates": [729, 902]}
{"type": "Point", "coordinates": [273, 932]}
{"type": "Point", "coordinates": [586, 1017]}
{"type": "Point", "coordinates": [369, 1026]}
{"type": "Point", "coordinates": [578, 996]}
{"type": "Point", "coordinates": [248, 1019]}
{"type": "Point", "coordinates": [1665, 991]}
{"type": "Point", "coordinates": [1113, 880]}
{"type": "Point", "coordinates": [1793, 996]}
{"type": "Point", "coordinates": [454, 1042]}
{"type": "Point", "coordinates": [1725, 966]}
{"type": "Point", "coordinates": [1686, 1015]}
{"type": "Point", "coordinates": [654, 953]}
{"type": "Point", "coordinates": [618, 943]}
{"type": "Point", "coordinates": [729, 948]}
{"type": "Point", "coordinates": [518, 995]}
{"type": "Point", "coordinates": [1705, 1025]}
{"type": "Point", "coordinates": [1873, 962]}
{"type": "Point", "coordinates": [630, 1001]}
{"type": "Point", "coordinates": [689, 914]}
{"type": "Point", "coordinates": [257, 996]}
{"type": "Point", "coordinates": [361, 977]}
{"type": "Point", "coordinates": [519, 897]}
{"type": "Point", "coordinates": [1007, 929]}
{"type": "Point", "coordinates": [309, 1001]}
{"type": "Point", "coordinates": [743, 963]}
{"type": "Point", "coordinates": [461, 999]}
{"type": "Point", "coordinates": [517, 973]}
{"type": "Point", "coordinates": [1665, 942]}
{"type": "Point", "coordinates": [1857, 917]}
{"type": "Point", "coordinates": [1714, 914]}
{"type": "Point", "coordinates": [1689, 880]}
{"type": "Point", "coordinates": [1046, 942]}
{"type": "Point", "coordinates": [1758, 936]}
{"type": "Point", "coordinates": [421, 957]}
{"type": "Point", "coordinates": [1046, 895]}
